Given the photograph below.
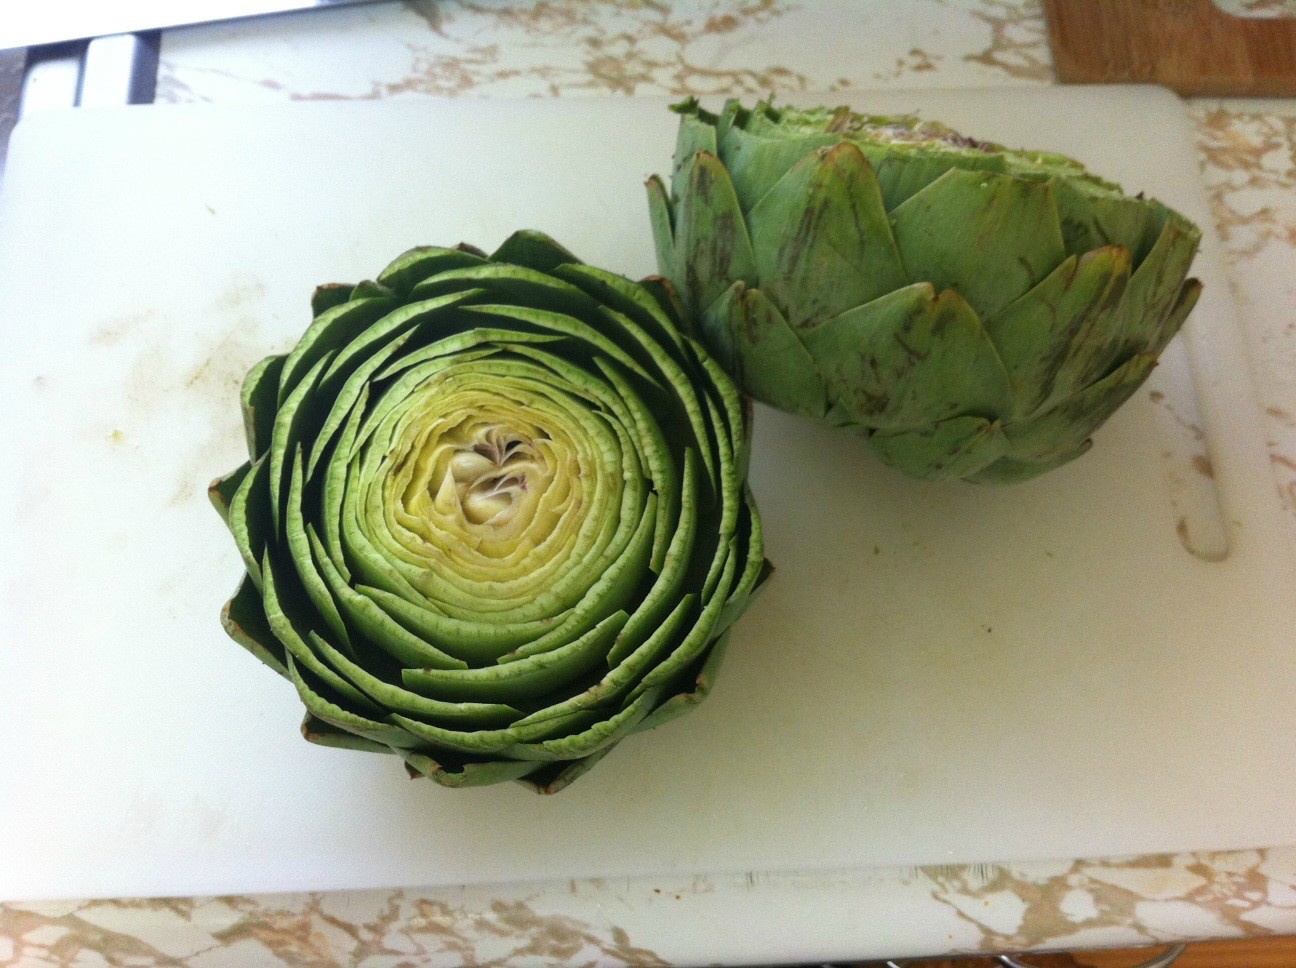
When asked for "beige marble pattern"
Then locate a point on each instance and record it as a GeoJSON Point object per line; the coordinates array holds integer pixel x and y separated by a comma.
{"type": "Point", "coordinates": [625, 47]}
{"type": "Point", "coordinates": [979, 908]}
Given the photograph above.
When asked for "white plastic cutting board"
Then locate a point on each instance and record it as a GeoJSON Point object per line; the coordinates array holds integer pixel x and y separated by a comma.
{"type": "Point", "coordinates": [935, 674]}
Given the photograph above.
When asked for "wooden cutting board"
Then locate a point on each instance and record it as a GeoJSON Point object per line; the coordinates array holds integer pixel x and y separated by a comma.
{"type": "Point", "coordinates": [1189, 46]}
{"type": "Point", "coordinates": [1076, 666]}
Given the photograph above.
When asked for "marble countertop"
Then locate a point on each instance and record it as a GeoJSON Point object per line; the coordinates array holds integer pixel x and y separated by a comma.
{"type": "Point", "coordinates": [495, 48]}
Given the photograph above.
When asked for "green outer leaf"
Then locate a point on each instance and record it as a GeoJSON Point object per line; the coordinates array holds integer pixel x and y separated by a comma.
{"type": "Point", "coordinates": [1174, 319]}
{"type": "Point", "coordinates": [600, 735]}
{"type": "Point", "coordinates": [493, 741]}
{"type": "Point", "coordinates": [662, 219]}
{"type": "Point", "coordinates": [908, 360]}
{"type": "Point", "coordinates": [376, 340]}
{"type": "Point", "coordinates": [468, 774]}
{"type": "Point", "coordinates": [757, 163]}
{"type": "Point", "coordinates": [376, 625]}
{"type": "Point", "coordinates": [291, 630]}
{"type": "Point", "coordinates": [294, 417]}
{"type": "Point", "coordinates": [533, 250]}
{"type": "Point", "coordinates": [1011, 470]}
{"type": "Point", "coordinates": [695, 135]}
{"type": "Point", "coordinates": [753, 341]}
{"type": "Point", "coordinates": [321, 708]}
{"type": "Point", "coordinates": [610, 594]}
{"type": "Point", "coordinates": [548, 779]}
{"type": "Point", "coordinates": [303, 558]}
{"type": "Point", "coordinates": [222, 490]}
{"type": "Point", "coordinates": [671, 571]}
{"type": "Point", "coordinates": [1092, 219]}
{"type": "Point", "coordinates": [329, 296]}
{"type": "Point", "coordinates": [627, 670]}
{"type": "Point", "coordinates": [327, 333]}
{"type": "Point", "coordinates": [1068, 424]}
{"type": "Point", "coordinates": [712, 247]}
{"type": "Point", "coordinates": [945, 451]}
{"type": "Point", "coordinates": [1039, 332]}
{"type": "Point", "coordinates": [991, 237]}
{"type": "Point", "coordinates": [524, 679]}
{"type": "Point", "coordinates": [684, 702]}
{"type": "Point", "coordinates": [387, 696]}
{"type": "Point", "coordinates": [1154, 290]}
{"type": "Point", "coordinates": [259, 397]}
{"type": "Point", "coordinates": [698, 638]}
{"type": "Point", "coordinates": [315, 730]}
{"type": "Point", "coordinates": [410, 268]}
{"type": "Point", "coordinates": [244, 620]}
{"type": "Point", "coordinates": [903, 174]}
{"type": "Point", "coordinates": [249, 517]}
{"type": "Point", "coordinates": [822, 240]}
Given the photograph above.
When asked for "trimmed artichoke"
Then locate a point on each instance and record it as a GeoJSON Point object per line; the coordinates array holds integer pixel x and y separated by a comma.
{"type": "Point", "coordinates": [977, 312]}
{"type": "Point", "coordinates": [495, 517]}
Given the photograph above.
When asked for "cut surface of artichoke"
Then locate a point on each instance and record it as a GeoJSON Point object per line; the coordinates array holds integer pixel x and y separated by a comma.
{"type": "Point", "coordinates": [975, 311]}
{"type": "Point", "coordinates": [495, 515]}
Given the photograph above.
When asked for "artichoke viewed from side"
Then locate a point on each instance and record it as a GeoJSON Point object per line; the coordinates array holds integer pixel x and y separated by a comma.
{"type": "Point", "coordinates": [495, 517]}
{"type": "Point", "coordinates": [977, 312]}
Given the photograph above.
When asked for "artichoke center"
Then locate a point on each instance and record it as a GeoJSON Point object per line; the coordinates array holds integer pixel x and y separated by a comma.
{"type": "Point", "coordinates": [492, 471]}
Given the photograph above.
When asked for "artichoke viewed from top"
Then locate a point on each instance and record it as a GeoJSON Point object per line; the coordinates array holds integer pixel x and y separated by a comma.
{"type": "Point", "coordinates": [977, 312]}
{"type": "Point", "coordinates": [495, 517]}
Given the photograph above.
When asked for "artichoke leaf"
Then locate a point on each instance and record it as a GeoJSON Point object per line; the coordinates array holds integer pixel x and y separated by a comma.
{"type": "Point", "coordinates": [249, 518]}
{"type": "Point", "coordinates": [990, 237]}
{"type": "Point", "coordinates": [661, 215]}
{"type": "Point", "coordinates": [597, 736]}
{"type": "Point", "coordinates": [1037, 333]}
{"type": "Point", "coordinates": [753, 341]}
{"type": "Point", "coordinates": [244, 620]}
{"type": "Point", "coordinates": [468, 774]}
{"type": "Point", "coordinates": [1064, 428]}
{"type": "Point", "coordinates": [1011, 470]}
{"type": "Point", "coordinates": [909, 359]}
{"type": "Point", "coordinates": [259, 400]}
{"type": "Point", "coordinates": [221, 491]}
{"type": "Point", "coordinates": [375, 730]}
{"type": "Point", "coordinates": [410, 268]}
{"type": "Point", "coordinates": [944, 451]}
{"type": "Point", "coordinates": [756, 163]}
{"type": "Point", "coordinates": [386, 695]}
{"type": "Point", "coordinates": [555, 777]}
{"type": "Point", "coordinates": [494, 741]}
{"type": "Point", "coordinates": [683, 702]}
{"type": "Point", "coordinates": [712, 246]}
{"type": "Point", "coordinates": [822, 240]}
{"type": "Point", "coordinates": [329, 332]}
{"type": "Point", "coordinates": [294, 632]}
{"type": "Point", "coordinates": [1136, 325]}
{"type": "Point", "coordinates": [524, 679]}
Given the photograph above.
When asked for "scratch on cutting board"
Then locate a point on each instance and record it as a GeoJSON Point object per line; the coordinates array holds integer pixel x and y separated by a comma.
{"type": "Point", "coordinates": [1186, 539]}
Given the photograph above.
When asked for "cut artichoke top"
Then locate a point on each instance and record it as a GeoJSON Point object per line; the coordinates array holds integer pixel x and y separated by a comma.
{"type": "Point", "coordinates": [494, 517]}
{"type": "Point", "coordinates": [879, 133]}
{"type": "Point", "coordinates": [761, 144]}
{"type": "Point", "coordinates": [976, 311]}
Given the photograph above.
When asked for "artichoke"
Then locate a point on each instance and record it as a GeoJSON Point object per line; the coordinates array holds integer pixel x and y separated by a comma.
{"type": "Point", "coordinates": [495, 517]}
{"type": "Point", "coordinates": [975, 311]}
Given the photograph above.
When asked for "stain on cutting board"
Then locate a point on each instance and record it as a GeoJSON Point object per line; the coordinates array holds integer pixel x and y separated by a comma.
{"type": "Point", "coordinates": [165, 375]}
